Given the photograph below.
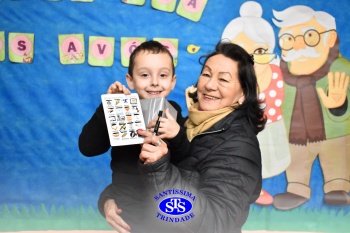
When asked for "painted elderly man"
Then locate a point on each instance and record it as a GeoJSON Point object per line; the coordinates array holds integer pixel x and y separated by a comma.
{"type": "Point", "coordinates": [316, 107]}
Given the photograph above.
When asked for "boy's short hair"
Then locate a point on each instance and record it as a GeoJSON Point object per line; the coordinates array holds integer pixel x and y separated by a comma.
{"type": "Point", "coordinates": [153, 47]}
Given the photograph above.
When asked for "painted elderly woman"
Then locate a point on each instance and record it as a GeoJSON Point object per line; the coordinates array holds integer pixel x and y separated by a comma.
{"type": "Point", "coordinates": [212, 189]}
{"type": "Point", "coordinates": [256, 36]}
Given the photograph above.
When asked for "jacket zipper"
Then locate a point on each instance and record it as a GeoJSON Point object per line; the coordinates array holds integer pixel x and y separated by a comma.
{"type": "Point", "coordinates": [211, 132]}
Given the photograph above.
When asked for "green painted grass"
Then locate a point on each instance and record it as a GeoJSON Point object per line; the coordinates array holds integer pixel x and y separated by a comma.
{"type": "Point", "coordinates": [31, 219]}
{"type": "Point", "coordinates": [87, 218]}
{"type": "Point", "coordinates": [324, 220]}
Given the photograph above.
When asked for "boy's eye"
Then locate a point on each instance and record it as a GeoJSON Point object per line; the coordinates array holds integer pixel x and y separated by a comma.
{"type": "Point", "coordinates": [163, 75]}
{"type": "Point", "coordinates": [144, 75]}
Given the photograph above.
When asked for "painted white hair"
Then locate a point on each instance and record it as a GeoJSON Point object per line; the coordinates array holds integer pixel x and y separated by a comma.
{"type": "Point", "coordinates": [251, 23]}
{"type": "Point", "coordinates": [295, 15]}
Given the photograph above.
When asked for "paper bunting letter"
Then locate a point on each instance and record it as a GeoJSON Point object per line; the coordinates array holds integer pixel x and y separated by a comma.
{"type": "Point", "coordinates": [134, 2]}
{"type": "Point", "coordinates": [164, 5]}
{"type": "Point", "coordinates": [71, 49]}
{"type": "Point", "coordinates": [172, 45]}
{"type": "Point", "coordinates": [21, 47]}
{"type": "Point", "coordinates": [101, 51]}
{"type": "Point", "coordinates": [2, 46]}
{"type": "Point", "coordinates": [128, 44]}
{"type": "Point", "coordinates": [191, 9]}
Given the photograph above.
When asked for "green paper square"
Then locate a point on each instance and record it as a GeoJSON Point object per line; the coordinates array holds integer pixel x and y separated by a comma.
{"type": "Point", "coordinates": [134, 2]}
{"type": "Point", "coordinates": [21, 47]}
{"type": "Point", "coordinates": [172, 44]}
{"type": "Point", "coordinates": [2, 46]}
{"type": "Point", "coordinates": [71, 49]}
{"type": "Point", "coordinates": [101, 51]}
{"type": "Point", "coordinates": [128, 44]}
{"type": "Point", "coordinates": [164, 5]}
{"type": "Point", "coordinates": [191, 9]}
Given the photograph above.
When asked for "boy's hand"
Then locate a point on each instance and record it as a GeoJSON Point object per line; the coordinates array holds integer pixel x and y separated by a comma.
{"type": "Point", "coordinates": [118, 88]}
{"type": "Point", "coordinates": [112, 213]}
{"type": "Point", "coordinates": [168, 127]}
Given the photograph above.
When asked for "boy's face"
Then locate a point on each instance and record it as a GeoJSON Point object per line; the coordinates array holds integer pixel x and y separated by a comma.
{"type": "Point", "coordinates": [152, 75]}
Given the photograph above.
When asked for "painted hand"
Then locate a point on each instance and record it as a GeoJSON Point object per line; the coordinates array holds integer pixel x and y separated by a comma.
{"type": "Point", "coordinates": [337, 88]}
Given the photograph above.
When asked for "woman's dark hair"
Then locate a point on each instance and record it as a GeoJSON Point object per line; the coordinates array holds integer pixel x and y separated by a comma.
{"type": "Point", "coordinates": [151, 46]}
{"type": "Point", "coordinates": [247, 79]}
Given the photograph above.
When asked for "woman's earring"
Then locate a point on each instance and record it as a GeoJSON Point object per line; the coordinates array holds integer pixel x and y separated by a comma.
{"type": "Point", "coordinates": [241, 100]}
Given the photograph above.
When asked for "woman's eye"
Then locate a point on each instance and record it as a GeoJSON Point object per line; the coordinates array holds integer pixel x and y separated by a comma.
{"type": "Point", "coordinates": [205, 75]}
{"type": "Point", "coordinates": [223, 80]}
{"type": "Point", "coordinates": [260, 51]}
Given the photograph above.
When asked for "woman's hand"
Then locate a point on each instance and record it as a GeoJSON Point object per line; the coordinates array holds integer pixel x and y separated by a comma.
{"type": "Point", "coordinates": [153, 148]}
{"type": "Point", "coordinates": [168, 127]}
{"type": "Point", "coordinates": [112, 213]}
{"type": "Point", "coordinates": [118, 88]}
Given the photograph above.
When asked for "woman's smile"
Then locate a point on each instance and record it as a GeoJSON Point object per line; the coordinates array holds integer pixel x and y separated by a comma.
{"type": "Point", "coordinates": [209, 97]}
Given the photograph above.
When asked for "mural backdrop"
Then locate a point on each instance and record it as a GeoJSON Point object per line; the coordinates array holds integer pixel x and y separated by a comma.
{"type": "Point", "coordinates": [58, 57]}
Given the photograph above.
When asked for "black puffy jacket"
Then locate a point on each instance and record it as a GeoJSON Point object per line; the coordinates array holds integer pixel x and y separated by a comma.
{"type": "Point", "coordinates": [221, 177]}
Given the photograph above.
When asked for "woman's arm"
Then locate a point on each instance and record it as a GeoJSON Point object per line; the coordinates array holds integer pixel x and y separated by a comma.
{"type": "Point", "coordinates": [179, 146]}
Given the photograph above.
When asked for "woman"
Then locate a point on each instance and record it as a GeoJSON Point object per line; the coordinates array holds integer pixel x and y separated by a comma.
{"type": "Point", "coordinates": [221, 176]}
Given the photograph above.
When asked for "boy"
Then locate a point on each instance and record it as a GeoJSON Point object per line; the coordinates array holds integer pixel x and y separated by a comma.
{"type": "Point", "coordinates": [151, 73]}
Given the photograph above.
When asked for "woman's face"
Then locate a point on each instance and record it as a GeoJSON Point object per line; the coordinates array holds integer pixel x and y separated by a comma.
{"type": "Point", "coordinates": [218, 86]}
